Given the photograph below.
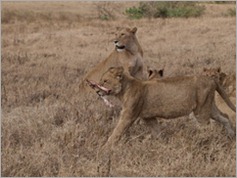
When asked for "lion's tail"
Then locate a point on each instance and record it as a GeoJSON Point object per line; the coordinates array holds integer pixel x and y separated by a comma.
{"type": "Point", "coordinates": [225, 97]}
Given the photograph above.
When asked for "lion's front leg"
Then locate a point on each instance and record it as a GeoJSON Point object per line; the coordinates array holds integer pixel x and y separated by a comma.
{"type": "Point", "coordinates": [125, 121]}
{"type": "Point", "coordinates": [104, 161]}
{"type": "Point", "coordinates": [104, 155]}
{"type": "Point", "coordinates": [155, 127]}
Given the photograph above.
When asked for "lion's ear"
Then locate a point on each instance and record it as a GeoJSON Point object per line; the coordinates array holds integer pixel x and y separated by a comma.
{"type": "Point", "coordinates": [134, 30]}
{"type": "Point", "coordinates": [149, 71]}
{"type": "Point", "coordinates": [112, 70]}
{"type": "Point", "coordinates": [161, 72]}
{"type": "Point", "coordinates": [120, 70]}
{"type": "Point", "coordinates": [119, 73]}
{"type": "Point", "coordinates": [116, 70]}
{"type": "Point", "coordinates": [148, 68]}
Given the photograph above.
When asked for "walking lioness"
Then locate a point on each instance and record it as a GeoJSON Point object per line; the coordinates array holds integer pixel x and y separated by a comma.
{"type": "Point", "coordinates": [164, 98]}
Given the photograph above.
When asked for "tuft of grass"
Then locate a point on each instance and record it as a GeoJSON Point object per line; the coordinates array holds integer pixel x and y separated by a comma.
{"type": "Point", "coordinates": [165, 10]}
{"type": "Point", "coordinates": [231, 12]}
{"type": "Point", "coordinates": [134, 12]}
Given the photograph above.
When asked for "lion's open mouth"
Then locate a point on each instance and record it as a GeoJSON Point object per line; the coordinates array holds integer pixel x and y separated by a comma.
{"type": "Point", "coordinates": [94, 85]}
{"type": "Point", "coordinates": [120, 47]}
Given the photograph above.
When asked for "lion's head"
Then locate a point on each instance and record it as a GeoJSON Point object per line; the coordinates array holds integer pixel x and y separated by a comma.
{"type": "Point", "coordinates": [126, 40]}
{"type": "Point", "coordinates": [215, 73]}
{"type": "Point", "coordinates": [154, 74]}
{"type": "Point", "coordinates": [111, 82]}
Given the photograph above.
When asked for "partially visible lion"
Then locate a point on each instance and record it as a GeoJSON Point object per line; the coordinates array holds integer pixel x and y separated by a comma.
{"type": "Point", "coordinates": [165, 98]}
{"type": "Point", "coordinates": [227, 81]}
{"type": "Point", "coordinates": [154, 74]}
{"type": "Point", "coordinates": [127, 53]}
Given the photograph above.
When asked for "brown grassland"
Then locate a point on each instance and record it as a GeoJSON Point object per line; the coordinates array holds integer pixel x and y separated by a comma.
{"type": "Point", "coordinates": [49, 128]}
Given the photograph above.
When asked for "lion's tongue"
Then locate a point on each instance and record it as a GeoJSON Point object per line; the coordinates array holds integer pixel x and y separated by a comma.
{"type": "Point", "coordinates": [103, 88]}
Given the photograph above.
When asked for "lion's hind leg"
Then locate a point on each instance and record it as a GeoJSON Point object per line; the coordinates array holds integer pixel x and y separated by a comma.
{"type": "Point", "coordinates": [153, 124]}
{"type": "Point", "coordinates": [223, 118]}
{"type": "Point", "coordinates": [204, 105]}
{"type": "Point", "coordinates": [203, 114]}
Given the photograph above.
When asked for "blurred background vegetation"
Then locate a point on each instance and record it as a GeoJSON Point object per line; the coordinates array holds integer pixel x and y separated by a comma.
{"type": "Point", "coordinates": [108, 11]}
{"type": "Point", "coordinates": [155, 9]}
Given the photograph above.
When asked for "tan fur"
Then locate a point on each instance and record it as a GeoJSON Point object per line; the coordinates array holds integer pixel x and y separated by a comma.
{"type": "Point", "coordinates": [131, 57]}
{"type": "Point", "coordinates": [227, 81]}
{"type": "Point", "coordinates": [164, 98]}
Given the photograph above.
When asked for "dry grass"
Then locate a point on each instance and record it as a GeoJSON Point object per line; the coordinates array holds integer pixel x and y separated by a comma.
{"type": "Point", "coordinates": [49, 128]}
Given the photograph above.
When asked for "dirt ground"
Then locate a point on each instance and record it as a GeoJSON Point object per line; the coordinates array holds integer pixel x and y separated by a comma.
{"type": "Point", "coordinates": [49, 128]}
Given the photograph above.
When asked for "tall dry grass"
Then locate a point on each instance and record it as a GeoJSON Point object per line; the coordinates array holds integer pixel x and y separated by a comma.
{"type": "Point", "coordinates": [49, 128]}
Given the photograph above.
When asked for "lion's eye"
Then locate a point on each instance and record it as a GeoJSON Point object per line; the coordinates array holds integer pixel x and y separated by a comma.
{"type": "Point", "coordinates": [122, 34]}
{"type": "Point", "coordinates": [119, 77]}
{"type": "Point", "coordinates": [105, 81]}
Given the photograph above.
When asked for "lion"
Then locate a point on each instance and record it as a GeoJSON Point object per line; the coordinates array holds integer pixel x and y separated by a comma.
{"type": "Point", "coordinates": [227, 81]}
{"type": "Point", "coordinates": [127, 53]}
{"type": "Point", "coordinates": [161, 98]}
{"type": "Point", "coordinates": [164, 98]}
